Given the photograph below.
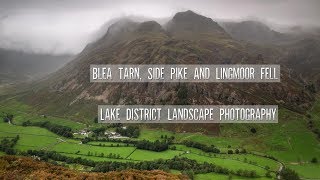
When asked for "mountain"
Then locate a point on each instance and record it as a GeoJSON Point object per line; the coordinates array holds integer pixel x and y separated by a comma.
{"type": "Point", "coordinates": [188, 24]}
{"type": "Point", "coordinates": [188, 38]}
{"type": "Point", "coordinates": [304, 60]}
{"type": "Point", "coordinates": [18, 66]}
{"type": "Point", "coordinates": [300, 46]}
{"type": "Point", "coordinates": [256, 32]}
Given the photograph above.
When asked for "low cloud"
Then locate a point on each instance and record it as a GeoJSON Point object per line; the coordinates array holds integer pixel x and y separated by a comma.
{"type": "Point", "coordinates": [66, 26]}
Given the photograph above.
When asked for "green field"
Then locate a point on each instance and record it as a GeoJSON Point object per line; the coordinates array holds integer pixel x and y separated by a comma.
{"type": "Point", "coordinates": [222, 142]}
{"type": "Point", "coordinates": [24, 113]}
{"type": "Point", "coordinates": [223, 177]}
{"type": "Point", "coordinates": [151, 155]}
{"type": "Point", "coordinates": [227, 163]}
{"type": "Point", "coordinates": [290, 141]}
{"type": "Point", "coordinates": [308, 171]}
{"type": "Point", "coordinates": [96, 150]}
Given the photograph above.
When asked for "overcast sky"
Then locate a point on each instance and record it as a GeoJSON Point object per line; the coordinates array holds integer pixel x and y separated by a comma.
{"type": "Point", "coordinates": [66, 26]}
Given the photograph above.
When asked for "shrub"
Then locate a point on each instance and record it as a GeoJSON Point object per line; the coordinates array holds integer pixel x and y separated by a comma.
{"type": "Point", "coordinates": [314, 160]}
{"type": "Point", "coordinates": [289, 174]}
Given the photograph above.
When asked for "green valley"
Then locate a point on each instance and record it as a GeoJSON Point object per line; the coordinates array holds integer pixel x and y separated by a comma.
{"type": "Point", "coordinates": [266, 150]}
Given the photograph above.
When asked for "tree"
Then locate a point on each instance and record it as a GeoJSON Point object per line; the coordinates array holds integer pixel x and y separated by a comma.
{"type": "Point", "coordinates": [130, 131]}
{"type": "Point", "coordinates": [314, 160]}
{"type": "Point", "coordinates": [55, 128]}
{"type": "Point", "coordinates": [85, 140]}
{"type": "Point", "coordinates": [99, 131]}
{"type": "Point", "coordinates": [253, 130]}
{"type": "Point", "coordinates": [289, 174]}
{"type": "Point", "coordinates": [153, 146]}
{"type": "Point", "coordinates": [173, 148]}
{"type": "Point", "coordinates": [253, 174]}
{"type": "Point", "coordinates": [26, 123]}
{"type": "Point", "coordinates": [243, 151]}
{"type": "Point", "coordinates": [268, 174]}
{"type": "Point", "coordinates": [203, 147]}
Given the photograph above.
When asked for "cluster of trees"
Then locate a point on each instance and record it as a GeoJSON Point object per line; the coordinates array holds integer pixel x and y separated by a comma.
{"type": "Point", "coordinates": [99, 131]}
{"type": "Point", "coordinates": [144, 144]}
{"type": "Point", "coordinates": [246, 173]}
{"type": "Point", "coordinates": [28, 168]}
{"type": "Point", "coordinates": [177, 163]}
{"type": "Point", "coordinates": [169, 140]}
{"type": "Point", "coordinates": [112, 145]}
{"type": "Point", "coordinates": [55, 128]}
{"type": "Point", "coordinates": [7, 144]}
{"type": "Point", "coordinates": [110, 155]}
{"type": "Point", "coordinates": [86, 140]}
{"type": "Point", "coordinates": [46, 155]}
{"type": "Point", "coordinates": [152, 146]}
{"type": "Point", "coordinates": [183, 164]}
{"type": "Point", "coordinates": [126, 141]}
{"type": "Point", "coordinates": [130, 131]}
{"type": "Point", "coordinates": [202, 147]}
{"type": "Point", "coordinates": [237, 151]}
{"type": "Point", "coordinates": [289, 174]}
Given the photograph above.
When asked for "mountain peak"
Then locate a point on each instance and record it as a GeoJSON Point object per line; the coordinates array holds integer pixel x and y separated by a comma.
{"type": "Point", "coordinates": [149, 26]}
{"type": "Point", "coordinates": [190, 16]}
{"type": "Point", "coordinates": [184, 23]}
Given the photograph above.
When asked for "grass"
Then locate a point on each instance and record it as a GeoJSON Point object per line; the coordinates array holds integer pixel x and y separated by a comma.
{"type": "Point", "coordinates": [67, 147]}
{"type": "Point", "coordinates": [94, 158]}
{"type": "Point", "coordinates": [304, 147]}
{"type": "Point", "coordinates": [155, 134]}
{"type": "Point", "coordinates": [224, 177]}
{"type": "Point", "coordinates": [142, 155]}
{"type": "Point", "coordinates": [240, 157]}
{"type": "Point", "coordinates": [30, 137]}
{"type": "Point", "coordinates": [286, 140]}
{"type": "Point", "coordinates": [24, 113]}
{"type": "Point", "coordinates": [152, 135]}
{"type": "Point", "coordinates": [211, 176]}
{"type": "Point", "coordinates": [307, 170]}
{"type": "Point", "coordinates": [227, 163]}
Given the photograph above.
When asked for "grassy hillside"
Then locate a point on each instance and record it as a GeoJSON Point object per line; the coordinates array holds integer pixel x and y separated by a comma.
{"type": "Point", "coordinates": [291, 141]}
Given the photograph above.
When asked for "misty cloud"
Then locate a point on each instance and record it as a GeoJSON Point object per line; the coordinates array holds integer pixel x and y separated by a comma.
{"type": "Point", "coordinates": [66, 26]}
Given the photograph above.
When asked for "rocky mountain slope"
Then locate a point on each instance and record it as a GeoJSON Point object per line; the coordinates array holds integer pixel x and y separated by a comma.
{"type": "Point", "coordinates": [257, 32]}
